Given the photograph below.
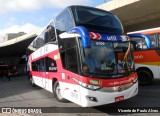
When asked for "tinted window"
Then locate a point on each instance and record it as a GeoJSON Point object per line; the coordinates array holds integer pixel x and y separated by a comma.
{"type": "Point", "coordinates": [98, 20]}
{"type": "Point", "coordinates": [39, 41]}
{"type": "Point", "coordinates": [138, 43]}
{"type": "Point", "coordinates": [64, 21]}
{"type": "Point", "coordinates": [50, 33]}
{"type": "Point", "coordinates": [69, 60]}
{"type": "Point", "coordinates": [44, 65]}
{"type": "Point", "coordinates": [51, 65]}
{"type": "Point", "coordinates": [154, 43]}
{"type": "Point", "coordinates": [67, 43]}
{"type": "Point", "coordinates": [34, 66]}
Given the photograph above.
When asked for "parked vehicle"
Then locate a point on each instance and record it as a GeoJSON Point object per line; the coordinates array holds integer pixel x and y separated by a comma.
{"type": "Point", "coordinates": [144, 63]}
{"type": "Point", "coordinates": [8, 70]}
{"type": "Point", "coordinates": [82, 56]}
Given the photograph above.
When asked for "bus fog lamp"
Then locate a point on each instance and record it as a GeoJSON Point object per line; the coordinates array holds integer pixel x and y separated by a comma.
{"type": "Point", "coordinates": [94, 99]}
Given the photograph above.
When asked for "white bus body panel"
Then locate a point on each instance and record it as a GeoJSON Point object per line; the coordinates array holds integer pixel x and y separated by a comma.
{"type": "Point", "coordinates": [80, 97]}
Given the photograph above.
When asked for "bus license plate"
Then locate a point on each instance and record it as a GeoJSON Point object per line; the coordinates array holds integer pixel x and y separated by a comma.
{"type": "Point", "coordinates": [119, 98]}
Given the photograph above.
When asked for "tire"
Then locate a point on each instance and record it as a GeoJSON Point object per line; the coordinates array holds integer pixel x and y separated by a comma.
{"type": "Point", "coordinates": [31, 82]}
{"type": "Point", "coordinates": [144, 77]}
{"type": "Point", "coordinates": [57, 92]}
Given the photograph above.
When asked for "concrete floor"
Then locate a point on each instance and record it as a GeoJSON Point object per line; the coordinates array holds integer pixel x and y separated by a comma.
{"type": "Point", "coordinates": [19, 93]}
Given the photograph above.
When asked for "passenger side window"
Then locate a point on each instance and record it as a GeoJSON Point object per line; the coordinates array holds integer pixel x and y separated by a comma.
{"type": "Point", "coordinates": [39, 65]}
{"type": "Point", "coordinates": [51, 65]}
{"type": "Point", "coordinates": [50, 33]}
{"type": "Point", "coordinates": [153, 38]}
{"type": "Point", "coordinates": [34, 44]}
{"type": "Point", "coordinates": [69, 60]}
{"type": "Point", "coordinates": [39, 41]}
{"type": "Point", "coordinates": [67, 43]}
{"type": "Point", "coordinates": [34, 66]}
{"type": "Point", "coordinates": [64, 21]}
{"type": "Point", "coordinates": [138, 43]}
{"type": "Point", "coordinates": [42, 65]}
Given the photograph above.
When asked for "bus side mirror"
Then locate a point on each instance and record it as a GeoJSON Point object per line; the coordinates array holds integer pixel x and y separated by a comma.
{"type": "Point", "coordinates": [84, 34]}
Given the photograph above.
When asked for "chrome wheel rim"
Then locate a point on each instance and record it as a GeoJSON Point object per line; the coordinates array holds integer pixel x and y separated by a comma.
{"type": "Point", "coordinates": [58, 92]}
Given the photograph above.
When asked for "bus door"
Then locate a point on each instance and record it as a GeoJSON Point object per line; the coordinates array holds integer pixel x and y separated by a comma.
{"type": "Point", "coordinates": [70, 62]}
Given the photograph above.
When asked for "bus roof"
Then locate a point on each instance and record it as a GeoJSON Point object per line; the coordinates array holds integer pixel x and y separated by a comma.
{"type": "Point", "coordinates": [88, 7]}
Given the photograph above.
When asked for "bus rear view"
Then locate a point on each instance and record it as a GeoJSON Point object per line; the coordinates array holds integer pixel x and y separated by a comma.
{"type": "Point", "coordinates": [92, 62]}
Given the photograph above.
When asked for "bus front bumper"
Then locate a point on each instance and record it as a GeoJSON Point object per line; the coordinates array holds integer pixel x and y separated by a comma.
{"type": "Point", "coordinates": [96, 98]}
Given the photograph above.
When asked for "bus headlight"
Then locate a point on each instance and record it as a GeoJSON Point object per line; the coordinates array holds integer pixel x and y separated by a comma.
{"type": "Point", "coordinates": [93, 87]}
{"type": "Point", "coordinates": [87, 86]}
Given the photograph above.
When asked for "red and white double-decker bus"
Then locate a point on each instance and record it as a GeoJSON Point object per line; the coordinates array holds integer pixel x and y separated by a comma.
{"type": "Point", "coordinates": [82, 56]}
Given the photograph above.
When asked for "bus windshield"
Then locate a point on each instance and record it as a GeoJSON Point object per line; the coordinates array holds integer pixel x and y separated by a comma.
{"type": "Point", "coordinates": [108, 59]}
{"type": "Point", "coordinates": [97, 20]}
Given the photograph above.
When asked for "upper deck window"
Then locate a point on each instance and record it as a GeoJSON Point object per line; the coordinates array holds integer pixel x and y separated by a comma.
{"type": "Point", "coordinates": [64, 21]}
{"type": "Point", "coordinates": [97, 20]}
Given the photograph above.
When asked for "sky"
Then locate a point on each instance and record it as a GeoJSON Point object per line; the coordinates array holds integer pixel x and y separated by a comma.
{"type": "Point", "coordinates": [29, 15]}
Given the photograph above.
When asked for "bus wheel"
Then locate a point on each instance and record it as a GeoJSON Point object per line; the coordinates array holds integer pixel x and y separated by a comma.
{"type": "Point", "coordinates": [57, 92]}
{"type": "Point", "coordinates": [31, 82]}
{"type": "Point", "coordinates": [144, 77]}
